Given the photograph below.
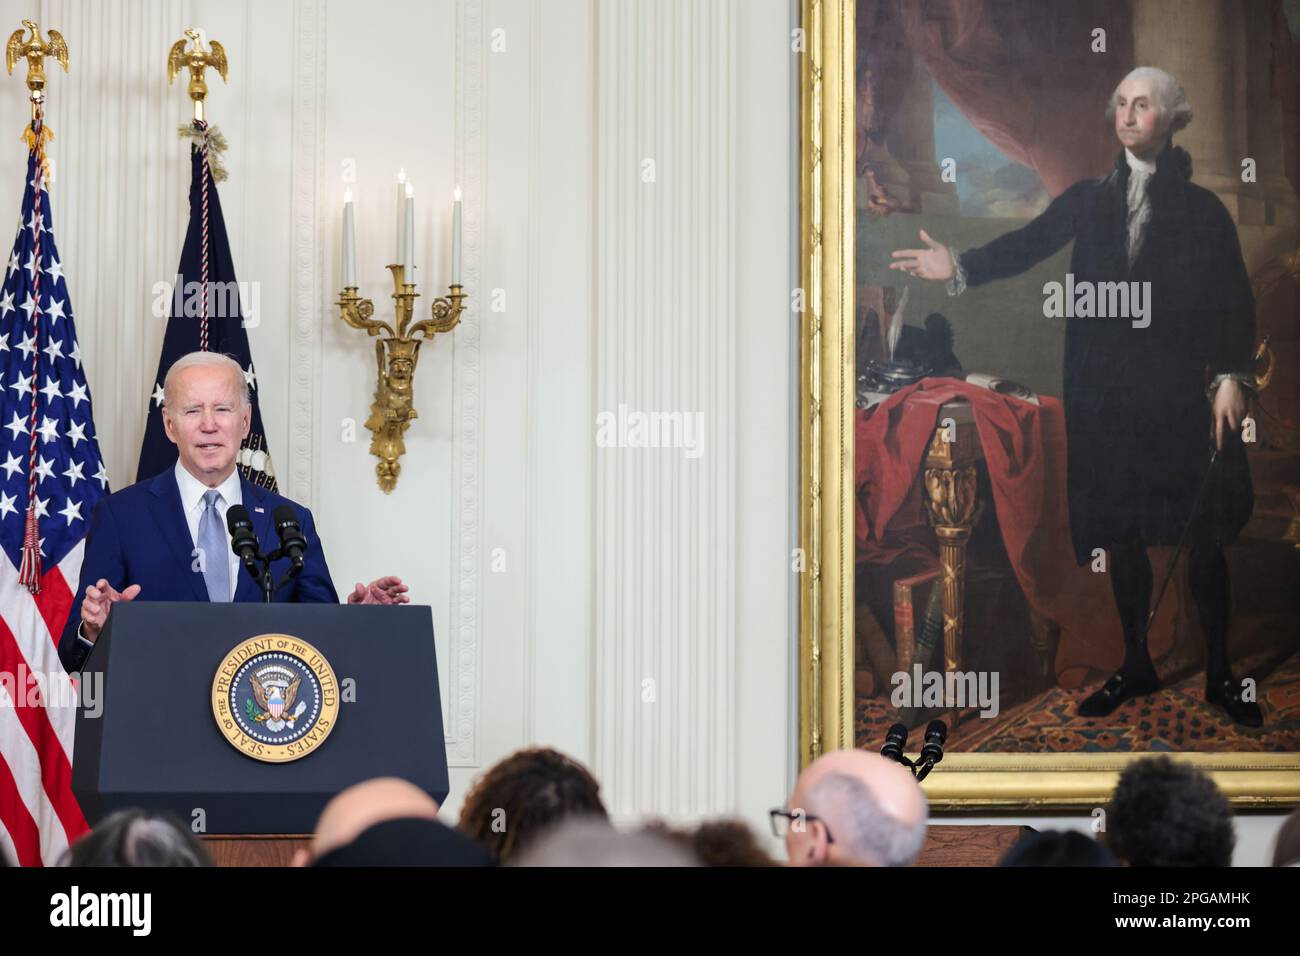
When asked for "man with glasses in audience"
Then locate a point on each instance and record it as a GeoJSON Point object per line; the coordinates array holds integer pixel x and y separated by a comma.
{"type": "Point", "coordinates": [853, 808]}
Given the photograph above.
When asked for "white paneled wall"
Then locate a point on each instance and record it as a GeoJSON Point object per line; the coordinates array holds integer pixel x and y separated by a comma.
{"type": "Point", "coordinates": [561, 575]}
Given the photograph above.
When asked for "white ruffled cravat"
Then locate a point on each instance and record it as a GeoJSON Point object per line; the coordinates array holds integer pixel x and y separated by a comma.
{"type": "Point", "coordinates": [1139, 203]}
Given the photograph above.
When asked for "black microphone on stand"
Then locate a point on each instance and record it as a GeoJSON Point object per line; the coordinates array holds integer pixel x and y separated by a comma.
{"type": "Point", "coordinates": [895, 741]}
{"type": "Point", "coordinates": [932, 751]}
{"type": "Point", "coordinates": [292, 541]}
{"type": "Point", "coordinates": [243, 541]}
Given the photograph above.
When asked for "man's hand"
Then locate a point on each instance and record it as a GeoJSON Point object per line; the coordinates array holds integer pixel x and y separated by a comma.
{"type": "Point", "coordinates": [934, 262]}
{"type": "Point", "coordinates": [1230, 407]}
{"type": "Point", "coordinates": [385, 590]}
{"type": "Point", "coordinates": [99, 600]}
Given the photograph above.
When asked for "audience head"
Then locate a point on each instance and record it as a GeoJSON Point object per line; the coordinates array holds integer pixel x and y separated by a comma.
{"type": "Point", "coordinates": [1058, 848]}
{"type": "Point", "coordinates": [137, 837]}
{"type": "Point", "coordinates": [362, 806]}
{"type": "Point", "coordinates": [718, 843]}
{"type": "Point", "coordinates": [593, 842]}
{"type": "Point", "coordinates": [518, 798]}
{"type": "Point", "coordinates": [1286, 851]}
{"type": "Point", "coordinates": [1168, 813]}
{"type": "Point", "coordinates": [854, 808]}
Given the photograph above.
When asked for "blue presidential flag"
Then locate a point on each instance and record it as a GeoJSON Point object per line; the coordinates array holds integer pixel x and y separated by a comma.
{"type": "Point", "coordinates": [207, 314]}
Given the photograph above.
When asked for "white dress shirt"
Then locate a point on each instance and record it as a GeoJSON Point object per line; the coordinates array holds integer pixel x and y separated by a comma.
{"type": "Point", "coordinates": [192, 491]}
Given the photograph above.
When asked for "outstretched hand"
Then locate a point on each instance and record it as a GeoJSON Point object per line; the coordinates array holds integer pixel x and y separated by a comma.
{"type": "Point", "coordinates": [933, 262]}
{"type": "Point", "coordinates": [385, 590]}
{"type": "Point", "coordinates": [99, 600]}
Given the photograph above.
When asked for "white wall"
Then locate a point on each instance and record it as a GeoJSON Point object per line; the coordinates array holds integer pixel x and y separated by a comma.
{"type": "Point", "coordinates": [560, 575]}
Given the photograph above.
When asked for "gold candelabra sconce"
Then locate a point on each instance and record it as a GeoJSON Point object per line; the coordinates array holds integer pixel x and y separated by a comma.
{"type": "Point", "coordinates": [396, 353]}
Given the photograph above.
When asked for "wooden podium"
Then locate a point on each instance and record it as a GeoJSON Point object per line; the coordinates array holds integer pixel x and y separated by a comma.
{"type": "Point", "coordinates": [960, 845]}
{"type": "Point", "coordinates": [253, 850]}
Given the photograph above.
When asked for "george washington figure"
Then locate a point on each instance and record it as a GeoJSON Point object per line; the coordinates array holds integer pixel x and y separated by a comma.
{"type": "Point", "coordinates": [1146, 402]}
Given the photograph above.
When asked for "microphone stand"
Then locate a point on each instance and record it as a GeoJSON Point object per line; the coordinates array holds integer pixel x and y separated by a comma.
{"type": "Point", "coordinates": [259, 566]}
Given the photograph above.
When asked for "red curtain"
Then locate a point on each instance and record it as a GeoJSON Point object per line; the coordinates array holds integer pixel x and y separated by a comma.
{"type": "Point", "coordinates": [1024, 73]}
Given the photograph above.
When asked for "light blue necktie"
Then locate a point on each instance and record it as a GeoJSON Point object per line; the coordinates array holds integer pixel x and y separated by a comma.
{"type": "Point", "coordinates": [212, 542]}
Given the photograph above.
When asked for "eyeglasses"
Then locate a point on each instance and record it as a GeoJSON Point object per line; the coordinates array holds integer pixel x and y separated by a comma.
{"type": "Point", "coordinates": [784, 820]}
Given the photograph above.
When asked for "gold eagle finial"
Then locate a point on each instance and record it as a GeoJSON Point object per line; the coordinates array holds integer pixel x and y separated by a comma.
{"type": "Point", "coordinates": [35, 49]}
{"type": "Point", "coordinates": [197, 60]}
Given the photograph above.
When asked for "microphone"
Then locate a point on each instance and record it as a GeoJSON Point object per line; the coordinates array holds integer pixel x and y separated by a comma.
{"type": "Point", "coordinates": [242, 539]}
{"type": "Point", "coordinates": [292, 542]}
{"type": "Point", "coordinates": [895, 740]}
{"type": "Point", "coordinates": [932, 751]}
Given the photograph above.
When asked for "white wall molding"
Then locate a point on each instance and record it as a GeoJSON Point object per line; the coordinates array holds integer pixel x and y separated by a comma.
{"type": "Point", "coordinates": [666, 340]}
{"type": "Point", "coordinates": [307, 276]}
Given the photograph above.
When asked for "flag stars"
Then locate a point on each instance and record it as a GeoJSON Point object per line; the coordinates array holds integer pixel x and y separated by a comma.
{"type": "Point", "coordinates": [31, 224]}
{"type": "Point", "coordinates": [42, 510]}
{"type": "Point", "coordinates": [250, 376]}
{"type": "Point", "coordinates": [28, 345]}
{"type": "Point", "coordinates": [101, 476]}
{"type": "Point", "coordinates": [29, 306]}
{"type": "Point", "coordinates": [14, 265]}
{"type": "Point", "coordinates": [73, 473]}
{"type": "Point", "coordinates": [72, 510]}
{"type": "Point", "coordinates": [7, 505]}
{"type": "Point", "coordinates": [6, 306]}
{"type": "Point", "coordinates": [12, 466]}
{"type": "Point", "coordinates": [75, 354]}
{"type": "Point", "coordinates": [55, 269]}
{"type": "Point", "coordinates": [51, 389]}
{"type": "Point", "coordinates": [49, 430]}
{"type": "Point", "coordinates": [76, 432]}
{"type": "Point", "coordinates": [31, 266]}
{"type": "Point", "coordinates": [55, 310]}
{"type": "Point", "coordinates": [23, 386]}
{"type": "Point", "coordinates": [17, 426]}
{"type": "Point", "coordinates": [77, 394]}
{"type": "Point", "coordinates": [54, 349]}
{"type": "Point", "coordinates": [158, 395]}
{"type": "Point", "coordinates": [45, 469]}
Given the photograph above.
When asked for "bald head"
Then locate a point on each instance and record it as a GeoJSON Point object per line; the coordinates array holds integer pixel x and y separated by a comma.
{"type": "Point", "coordinates": [362, 805]}
{"type": "Point", "coordinates": [871, 812]}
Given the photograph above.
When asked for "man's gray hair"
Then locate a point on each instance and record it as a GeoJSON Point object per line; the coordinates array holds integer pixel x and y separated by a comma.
{"type": "Point", "coordinates": [864, 831]}
{"type": "Point", "coordinates": [1173, 98]}
{"type": "Point", "coordinates": [206, 360]}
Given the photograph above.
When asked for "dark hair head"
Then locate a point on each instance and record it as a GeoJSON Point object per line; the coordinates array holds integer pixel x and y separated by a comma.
{"type": "Point", "coordinates": [407, 841]}
{"type": "Point", "coordinates": [1166, 813]}
{"type": "Point", "coordinates": [717, 842]}
{"type": "Point", "coordinates": [524, 794]}
{"type": "Point", "coordinates": [1286, 852]}
{"type": "Point", "coordinates": [137, 838]}
{"type": "Point", "coordinates": [1058, 848]}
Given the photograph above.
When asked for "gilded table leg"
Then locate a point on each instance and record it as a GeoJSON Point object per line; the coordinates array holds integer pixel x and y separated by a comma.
{"type": "Point", "coordinates": [951, 499]}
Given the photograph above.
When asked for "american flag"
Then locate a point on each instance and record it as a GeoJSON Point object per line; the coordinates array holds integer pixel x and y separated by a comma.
{"type": "Point", "coordinates": [52, 466]}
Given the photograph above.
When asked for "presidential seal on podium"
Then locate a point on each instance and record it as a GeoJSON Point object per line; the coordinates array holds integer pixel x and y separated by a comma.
{"type": "Point", "coordinates": [275, 698]}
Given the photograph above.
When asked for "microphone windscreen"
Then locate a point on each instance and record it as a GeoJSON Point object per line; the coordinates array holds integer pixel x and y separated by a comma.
{"type": "Point", "coordinates": [937, 731]}
{"type": "Point", "coordinates": [285, 517]}
{"type": "Point", "coordinates": [238, 520]}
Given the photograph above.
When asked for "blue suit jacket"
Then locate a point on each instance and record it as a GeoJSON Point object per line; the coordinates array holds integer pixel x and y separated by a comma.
{"type": "Point", "coordinates": [139, 536]}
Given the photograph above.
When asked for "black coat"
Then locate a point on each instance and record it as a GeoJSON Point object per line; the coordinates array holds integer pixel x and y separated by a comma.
{"type": "Point", "coordinates": [1137, 415]}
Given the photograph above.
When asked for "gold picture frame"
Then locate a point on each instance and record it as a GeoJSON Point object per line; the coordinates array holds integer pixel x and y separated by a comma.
{"type": "Point", "coordinates": [826, 539]}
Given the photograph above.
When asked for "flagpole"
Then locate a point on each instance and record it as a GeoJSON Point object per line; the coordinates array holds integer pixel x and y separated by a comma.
{"type": "Point", "coordinates": [34, 49]}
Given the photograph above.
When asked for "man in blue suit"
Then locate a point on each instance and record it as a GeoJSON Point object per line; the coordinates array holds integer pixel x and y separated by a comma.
{"type": "Point", "coordinates": [165, 539]}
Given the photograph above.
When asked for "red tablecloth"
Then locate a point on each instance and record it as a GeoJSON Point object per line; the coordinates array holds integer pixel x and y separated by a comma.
{"type": "Point", "coordinates": [1024, 448]}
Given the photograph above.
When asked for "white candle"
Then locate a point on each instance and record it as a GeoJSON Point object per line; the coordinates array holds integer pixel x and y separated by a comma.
{"type": "Point", "coordinates": [409, 259]}
{"type": "Point", "coordinates": [349, 242]}
{"type": "Point", "coordinates": [455, 239]}
{"type": "Point", "coordinates": [401, 217]}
